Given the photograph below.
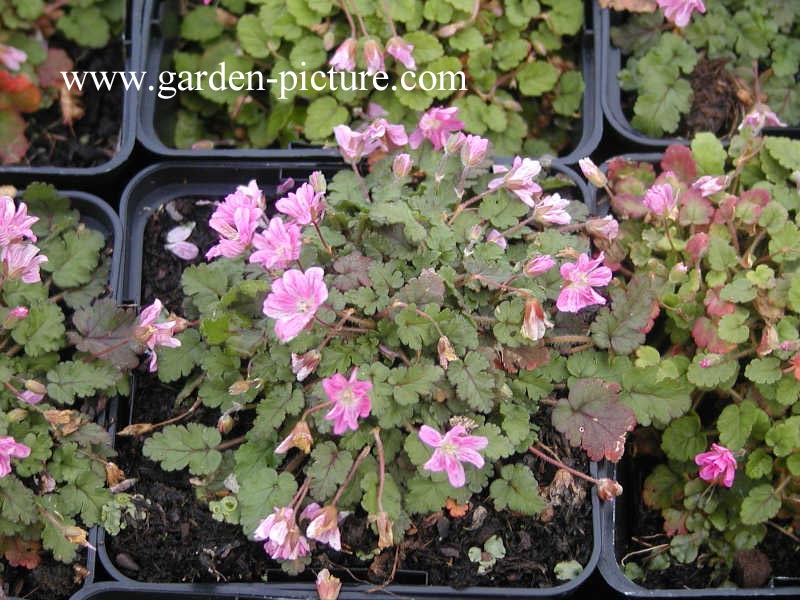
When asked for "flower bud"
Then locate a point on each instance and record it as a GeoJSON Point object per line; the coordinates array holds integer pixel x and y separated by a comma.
{"type": "Point", "coordinates": [605, 228]}
{"type": "Point", "coordinates": [402, 165]}
{"type": "Point", "coordinates": [225, 423]}
{"type": "Point", "coordinates": [239, 387]}
{"type": "Point", "coordinates": [17, 415]}
{"type": "Point", "coordinates": [476, 232]}
{"type": "Point", "coordinates": [495, 237]}
{"type": "Point", "coordinates": [474, 150]}
{"type": "Point", "coordinates": [454, 142]}
{"type": "Point", "coordinates": [318, 182]}
{"type": "Point", "coordinates": [595, 176]}
{"type": "Point", "coordinates": [304, 365]}
{"type": "Point", "coordinates": [328, 586]}
{"type": "Point", "coordinates": [14, 316]}
{"type": "Point", "coordinates": [608, 489]}
{"type": "Point", "coordinates": [447, 353]}
{"type": "Point", "coordinates": [447, 30]}
{"type": "Point", "coordinates": [373, 56]}
{"type": "Point", "coordinates": [344, 59]}
{"type": "Point", "coordinates": [328, 40]}
{"type": "Point", "coordinates": [299, 437]}
{"type": "Point", "coordinates": [541, 264]}
{"type": "Point", "coordinates": [35, 387]}
{"type": "Point", "coordinates": [535, 321]}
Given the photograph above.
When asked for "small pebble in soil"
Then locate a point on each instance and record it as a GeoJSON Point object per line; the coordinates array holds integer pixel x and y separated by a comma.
{"type": "Point", "coordinates": [751, 568]}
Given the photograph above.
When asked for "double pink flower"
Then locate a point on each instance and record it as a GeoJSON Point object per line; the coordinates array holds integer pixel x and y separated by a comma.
{"type": "Point", "coordinates": [580, 279]}
{"type": "Point", "coordinates": [278, 246]}
{"type": "Point", "coordinates": [717, 465]}
{"type": "Point", "coordinates": [436, 125]}
{"type": "Point", "coordinates": [10, 448]}
{"type": "Point", "coordinates": [235, 220]}
{"type": "Point", "coordinates": [282, 537]}
{"type": "Point", "coordinates": [153, 334]}
{"type": "Point", "coordinates": [451, 449]}
{"type": "Point", "coordinates": [21, 261]}
{"type": "Point", "coordinates": [15, 224]}
{"type": "Point", "coordinates": [519, 179]}
{"type": "Point", "coordinates": [350, 399]}
{"type": "Point", "coordinates": [294, 300]}
{"type": "Point", "coordinates": [680, 12]}
{"type": "Point", "coordinates": [305, 206]}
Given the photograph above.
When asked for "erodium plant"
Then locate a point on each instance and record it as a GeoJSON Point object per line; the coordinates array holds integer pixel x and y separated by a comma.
{"type": "Point", "coordinates": [388, 340]}
{"type": "Point", "coordinates": [717, 231]}
{"type": "Point", "coordinates": [64, 348]}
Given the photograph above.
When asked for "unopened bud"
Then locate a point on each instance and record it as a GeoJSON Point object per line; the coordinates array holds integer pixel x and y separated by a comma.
{"type": "Point", "coordinates": [605, 228]}
{"type": "Point", "coordinates": [535, 321]}
{"type": "Point", "coordinates": [14, 316]}
{"type": "Point", "coordinates": [402, 165]}
{"type": "Point", "coordinates": [181, 324]}
{"type": "Point", "coordinates": [328, 586]}
{"type": "Point", "coordinates": [299, 437]}
{"type": "Point", "coordinates": [447, 353]}
{"type": "Point", "coordinates": [318, 182]}
{"type": "Point", "coordinates": [304, 365]}
{"type": "Point", "coordinates": [454, 142]}
{"type": "Point", "coordinates": [35, 387]}
{"type": "Point", "coordinates": [447, 30]}
{"type": "Point", "coordinates": [239, 387]}
{"type": "Point", "coordinates": [476, 232]}
{"type": "Point", "coordinates": [225, 423]}
{"type": "Point", "coordinates": [595, 176]}
{"type": "Point", "coordinates": [17, 415]}
{"type": "Point", "coordinates": [608, 489]}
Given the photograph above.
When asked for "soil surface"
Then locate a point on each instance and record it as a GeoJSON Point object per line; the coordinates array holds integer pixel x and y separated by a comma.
{"type": "Point", "coordinates": [647, 526]}
{"type": "Point", "coordinates": [92, 140]}
{"type": "Point", "coordinates": [179, 541]}
{"type": "Point", "coordinates": [51, 580]}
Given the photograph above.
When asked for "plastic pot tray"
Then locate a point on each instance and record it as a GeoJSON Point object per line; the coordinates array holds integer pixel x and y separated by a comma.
{"type": "Point", "coordinates": [148, 191]}
{"type": "Point", "coordinates": [160, 30]}
{"type": "Point", "coordinates": [76, 176]}
{"type": "Point", "coordinates": [611, 94]}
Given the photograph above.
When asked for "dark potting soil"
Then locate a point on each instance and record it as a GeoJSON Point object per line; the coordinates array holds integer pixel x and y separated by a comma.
{"type": "Point", "coordinates": [178, 540]}
{"type": "Point", "coordinates": [51, 580]}
{"type": "Point", "coordinates": [92, 139]}
{"type": "Point", "coordinates": [647, 526]}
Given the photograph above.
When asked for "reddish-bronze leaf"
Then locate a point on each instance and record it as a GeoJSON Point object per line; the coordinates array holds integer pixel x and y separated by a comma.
{"type": "Point", "coordinates": [18, 93]}
{"type": "Point", "coordinates": [21, 553]}
{"type": "Point", "coordinates": [522, 358]}
{"type": "Point", "coordinates": [49, 71]}
{"type": "Point", "coordinates": [593, 417]}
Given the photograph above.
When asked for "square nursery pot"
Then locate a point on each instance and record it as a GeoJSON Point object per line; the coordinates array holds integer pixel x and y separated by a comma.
{"type": "Point", "coordinates": [153, 188]}
{"type": "Point", "coordinates": [96, 214]}
{"type": "Point", "coordinates": [618, 515]}
{"type": "Point", "coordinates": [105, 172]}
{"type": "Point", "coordinates": [611, 95]}
{"type": "Point", "coordinates": [160, 27]}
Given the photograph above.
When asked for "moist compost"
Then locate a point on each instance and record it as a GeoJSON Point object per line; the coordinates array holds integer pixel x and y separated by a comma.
{"type": "Point", "coordinates": [51, 580]}
{"type": "Point", "coordinates": [91, 140]}
{"type": "Point", "coordinates": [178, 540]}
{"type": "Point", "coordinates": [647, 526]}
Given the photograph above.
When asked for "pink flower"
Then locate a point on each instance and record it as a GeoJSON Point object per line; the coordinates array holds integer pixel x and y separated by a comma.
{"type": "Point", "coordinates": [324, 525]}
{"type": "Point", "coordinates": [304, 365]}
{"type": "Point", "coordinates": [474, 150]}
{"type": "Point", "coordinates": [535, 322]}
{"type": "Point", "coordinates": [455, 447]}
{"type": "Point", "coordinates": [384, 135]}
{"type": "Point", "coordinates": [278, 246]}
{"type": "Point", "coordinates": [344, 59]}
{"type": "Point", "coordinates": [252, 192]}
{"type": "Point", "coordinates": [20, 262]}
{"type": "Point", "coordinates": [679, 12]}
{"type": "Point", "coordinates": [294, 301]}
{"type": "Point", "coordinates": [15, 223]}
{"type": "Point", "coordinates": [282, 535]}
{"type": "Point", "coordinates": [541, 264]}
{"type": "Point", "coordinates": [12, 57]}
{"type": "Point", "coordinates": [305, 206]}
{"type": "Point", "coordinates": [436, 125]}
{"type": "Point", "coordinates": [550, 210]}
{"type": "Point", "coordinates": [9, 449]}
{"type": "Point", "coordinates": [661, 199]}
{"type": "Point", "coordinates": [401, 51]}
{"type": "Point", "coordinates": [606, 228]}
{"type": "Point", "coordinates": [519, 179]}
{"type": "Point", "coordinates": [717, 465]}
{"type": "Point", "coordinates": [579, 280]}
{"type": "Point", "coordinates": [350, 399]}
{"type": "Point", "coordinates": [709, 185]}
{"type": "Point", "coordinates": [402, 165]}
{"type": "Point", "coordinates": [353, 145]}
{"type": "Point", "coordinates": [30, 397]}
{"type": "Point", "coordinates": [373, 56]}
{"type": "Point", "coordinates": [235, 220]}
{"type": "Point", "coordinates": [495, 237]}
{"type": "Point", "coordinates": [761, 116]}
{"type": "Point", "coordinates": [328, 586]}
{"type": "Point", "coordinates": [152, 334]}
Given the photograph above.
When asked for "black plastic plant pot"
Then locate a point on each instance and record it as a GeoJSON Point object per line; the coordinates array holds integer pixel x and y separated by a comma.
{"type": "Point", "coordinates": [611, 95]}
{"type": "Point", "coordinates": [617, 517]}
{"type": "Point", "coordinates": [160, 31]}
{"type": "Point", "coordinates": [146, 193]}
{"type": "Point", "coordinates": [103, 173]}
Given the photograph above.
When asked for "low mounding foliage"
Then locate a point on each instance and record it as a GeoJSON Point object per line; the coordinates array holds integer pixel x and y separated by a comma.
{"type": "Point", "coordinates": [520, 61]}
{"type": "Point", "coordinates": [31, 61]}
{"type": "Point", "coordinates": [64, 347]}
{"type": "Point", "coordinates": [717, 231]}
{"type": "Point", "coordinates": [387, 341]}
{"type": "Point", "coordinates": [717, 67]}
